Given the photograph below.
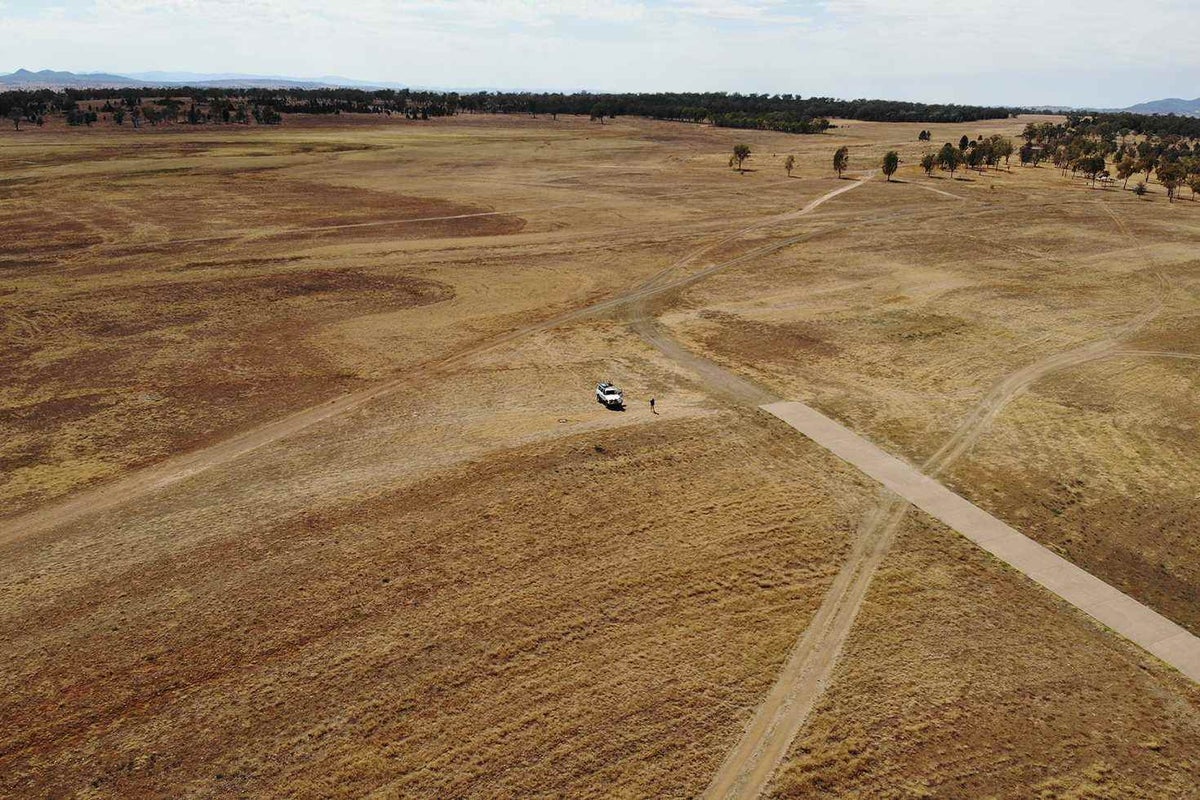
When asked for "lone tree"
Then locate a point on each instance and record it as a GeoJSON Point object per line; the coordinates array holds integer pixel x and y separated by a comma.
{"type": "Point", "coordinates": [789, 165]}
{"type": "Point", "coordinates": [841, 159]}
{"type": "Point", "coordinates": [928, 162]}
{"type": "Point", "coordinates": [950, 158]}
{"type": "Point", "coordinates": [891, 162]}
{"type": "Point", "coordinates": [740, 153]}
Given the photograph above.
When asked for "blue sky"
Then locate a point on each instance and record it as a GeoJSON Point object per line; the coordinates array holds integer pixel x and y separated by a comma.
{"type": "Point", "coordinates": [1099, 52]}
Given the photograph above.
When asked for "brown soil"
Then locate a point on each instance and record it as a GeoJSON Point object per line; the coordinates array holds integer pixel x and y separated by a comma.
{"type": "Point", "coordinates": [479, 582]}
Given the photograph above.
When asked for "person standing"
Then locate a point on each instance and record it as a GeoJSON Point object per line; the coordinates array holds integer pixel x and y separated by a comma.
{"type": "Point", "coordinates": [652, 406]}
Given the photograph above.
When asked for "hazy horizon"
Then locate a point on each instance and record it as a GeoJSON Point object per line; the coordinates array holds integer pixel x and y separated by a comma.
{"type": "Point", "coordinates": [1015, 53]}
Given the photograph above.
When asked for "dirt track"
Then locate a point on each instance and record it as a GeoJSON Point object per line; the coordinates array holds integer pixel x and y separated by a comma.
{"type": "Point", "coordinates": [748, 768]}
{"type": "Point", "coordinates": [362, 596]}
{"type": "Point", "coordinates": [181, 467]}
{"type": "Point", "coordinates": [1133, 620]}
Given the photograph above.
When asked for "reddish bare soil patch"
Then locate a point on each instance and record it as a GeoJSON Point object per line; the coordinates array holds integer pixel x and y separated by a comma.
{"type": "Point", "coordinates": [763, 342]}
{"type": "Point", "coordinates": [124, 389]}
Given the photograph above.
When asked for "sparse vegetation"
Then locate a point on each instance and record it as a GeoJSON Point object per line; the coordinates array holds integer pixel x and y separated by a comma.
{"type": "Point", "coordinates": [1171, 174]}
{"type": "Point", "coordinates": [950, 158]}
{"type": "Point", "coordinates": [1091, 166]}
{"type": "Point", "coordinates": [417, 598]}
{"type": "Point", "coordinates": [741, 152]}
{"type": "Point", "coordinates": [841, 159]}
{"type": "Point", "coordinates": [1084, 144]}
{"type": "Point", "coordinates": [783, 113]}
{"type": "Point", "coordinates": [1126, 168]}
{"type": "Point", "coordinates": [891, 162]}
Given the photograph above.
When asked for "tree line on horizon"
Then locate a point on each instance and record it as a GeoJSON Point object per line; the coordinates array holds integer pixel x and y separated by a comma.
{"type": "Point", "coordinates": [779, 112]}
{"type": "Point", "coordinates": [215, 105]}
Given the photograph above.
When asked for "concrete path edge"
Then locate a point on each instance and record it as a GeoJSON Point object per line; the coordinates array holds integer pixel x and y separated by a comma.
{"type": "Point", "coordinates": [1130, 618]}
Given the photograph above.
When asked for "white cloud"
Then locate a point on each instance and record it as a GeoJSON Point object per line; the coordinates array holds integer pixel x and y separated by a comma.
{"type": "Point", "coordinates": [1101, 52]}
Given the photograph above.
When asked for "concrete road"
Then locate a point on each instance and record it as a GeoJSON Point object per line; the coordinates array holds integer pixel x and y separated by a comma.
{"type": "Point", "coordinates": [1117, 610]}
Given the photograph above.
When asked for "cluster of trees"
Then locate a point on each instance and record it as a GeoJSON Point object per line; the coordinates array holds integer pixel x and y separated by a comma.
{"type": "Point", "coordinates": [699, 106]}
{"type": "Point", "coordinates": [78, 116]}
{"type": "Point", "coordinates": [1087, 144]}
{"type": "Point", "coordinates": [979, 154]}
{"type": "Point", "coordinates": [18, 115]}
{"type": "Point", "coordinates": [1156, 125]}
{"type": "Point", "coordinates": [986, 152]}
{"type": "Point", "coordinates": [773, 121]}
{"type": "Point", "coordinates": [778, 112]}
{"type": "Point", "coordinates": [212, 106]}
{"type": "Point", "coordinates": [166, 110]}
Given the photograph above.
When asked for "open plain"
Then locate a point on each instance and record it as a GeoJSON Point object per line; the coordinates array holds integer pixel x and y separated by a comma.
{"type": "Point", "coordinates": [304, 490]}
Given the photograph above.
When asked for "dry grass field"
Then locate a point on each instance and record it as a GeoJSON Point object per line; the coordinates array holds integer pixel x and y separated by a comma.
{"type": "Point", "coordinates": [959, 681]}
{"type": "Point", "coordinates": [472, 580]}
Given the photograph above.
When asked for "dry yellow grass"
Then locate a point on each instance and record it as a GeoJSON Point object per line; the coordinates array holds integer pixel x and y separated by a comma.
{"type": "Point", "coordinates": [482, 583]}
{"type": "Point", "coordinates": [961, 680]}
{"type": "Point", "coordinates": [500, 627]}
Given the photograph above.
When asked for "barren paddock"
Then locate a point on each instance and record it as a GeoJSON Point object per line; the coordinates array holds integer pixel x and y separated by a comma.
{"type": "Point", "coordinates": [479, 582]}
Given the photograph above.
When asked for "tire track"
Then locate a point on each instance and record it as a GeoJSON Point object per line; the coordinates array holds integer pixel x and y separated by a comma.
{"type": "Point", "coordinates": [178, 468]}
{"type": "Point", "coordinates": [748, 768]}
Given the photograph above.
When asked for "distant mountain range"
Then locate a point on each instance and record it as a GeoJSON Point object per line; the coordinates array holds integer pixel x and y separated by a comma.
{"type": "Point", "coordinates": [51, 79]}
{"type": "Point", "coordinates": [1171, 105]}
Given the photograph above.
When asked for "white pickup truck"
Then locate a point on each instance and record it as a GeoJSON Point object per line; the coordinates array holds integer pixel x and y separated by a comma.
{"type": "Point", "coordinates": [609, 395]}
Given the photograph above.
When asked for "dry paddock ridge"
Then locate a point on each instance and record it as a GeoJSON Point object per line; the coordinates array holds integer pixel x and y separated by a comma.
{"type": "Point", "coordinates": [304, 490]}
